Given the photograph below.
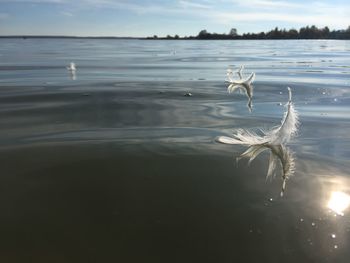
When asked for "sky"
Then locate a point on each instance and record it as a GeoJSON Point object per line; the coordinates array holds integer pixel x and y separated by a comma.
{"type": "Point", "coordinates": [141, 18]}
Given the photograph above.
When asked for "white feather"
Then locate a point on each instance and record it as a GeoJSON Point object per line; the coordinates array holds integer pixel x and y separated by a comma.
{"type": "Point", "coordinates": [239, 72]}
{"type": "Point", "coordinates": [229, 74]}
{"type": "Point", "coordinates": [232, 88]}
{"type": "Point", "coordinates": [274, 140]}
{"type": "Point", "coordinates": [72, 67]}
{"type": "Point", "coordinates": [241, 84]}
{"type": "Point", "coordinates": [249, 80]}
{"type": "Point", "coordinates": [279, 135]}
{"type": "Point", "coordinates": [289, 125]}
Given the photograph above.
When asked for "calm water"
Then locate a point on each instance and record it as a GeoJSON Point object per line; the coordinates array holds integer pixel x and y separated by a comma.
{"type": "Point", "coordinates": [117, 165]}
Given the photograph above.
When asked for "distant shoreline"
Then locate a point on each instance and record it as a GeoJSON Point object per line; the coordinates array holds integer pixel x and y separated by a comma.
{"type": "Point", "coordinates": [303, 33]}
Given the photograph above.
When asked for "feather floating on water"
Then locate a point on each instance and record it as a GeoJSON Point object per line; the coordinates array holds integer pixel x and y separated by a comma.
{"type": "Point", "coordinates": [247, 81]}
{"type": "Point", "coordinates": [241, 84]}
{"type": "Point", "coordinates": [273, 140]}
{"type": "Point", "coordinates": [72, 67]}
{"type": "Point", "coordinates": [278, 135]}
{"type": "Point", "coordinates": [289, 124]}
{"type": "Point", "coordinates": [230, 73]}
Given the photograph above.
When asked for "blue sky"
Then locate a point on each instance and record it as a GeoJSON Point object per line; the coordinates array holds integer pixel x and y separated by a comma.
{"type": "Point", "coordinates": [146, 18]}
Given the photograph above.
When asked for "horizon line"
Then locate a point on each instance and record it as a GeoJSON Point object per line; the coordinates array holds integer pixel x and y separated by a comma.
{"type": "Point", "coordinates": [154, 36]}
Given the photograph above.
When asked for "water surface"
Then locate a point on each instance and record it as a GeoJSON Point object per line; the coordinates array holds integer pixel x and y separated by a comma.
{"type": "Point", "coordinates": [119, 165]}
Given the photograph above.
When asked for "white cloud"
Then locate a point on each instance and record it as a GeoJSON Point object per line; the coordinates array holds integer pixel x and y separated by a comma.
{"type": "Point", "coordinates": [277, 13]}
{"type": "Point", "coordinates": [188, 4]}
{"type": "Point", "coordinates": [226, 12]}
{"type": "Point", "coordinates": [270, 4]}
{"type": "Point", "coordinates": [306, 19]}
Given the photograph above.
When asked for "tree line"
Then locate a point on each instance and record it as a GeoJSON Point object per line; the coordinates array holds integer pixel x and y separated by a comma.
{"type": "Point", "coordinates": [308, 32]}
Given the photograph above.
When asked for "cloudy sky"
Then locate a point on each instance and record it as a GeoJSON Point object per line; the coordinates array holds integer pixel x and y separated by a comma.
{"type": "Point", "coordinates": [162, 17]}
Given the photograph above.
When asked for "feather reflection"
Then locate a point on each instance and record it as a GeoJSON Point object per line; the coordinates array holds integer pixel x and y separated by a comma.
{"type": "Point", "coordinates": [72, 71]}
{"type": "Point", "coordinates": [280, 155]}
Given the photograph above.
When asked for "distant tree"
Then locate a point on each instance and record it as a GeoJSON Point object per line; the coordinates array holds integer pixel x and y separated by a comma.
{"type": "Point", "coordinates": [203, 34]}
{"type": "Point", "coordinates": [292, 34]}
{"type": "Point", "coordinates": [315, 32]}
{"type": "Point", "coordinates": [261, 35]}
{"type": "Point", "coordinates": [308, 32]}
{"type": "Point", "coordinates": [247, 36]}
{"type": "Point", "coordinates": [233, 32]}
{"type": "Point", "coordinates": [274, 34]}
{"type": "Point", "coordinates": [325, 32]}
{"type": "Point", "coordinates": [347, 33]}
{"type": "Point", "coordinates": [304, 32]}
{"type": "Point", "coordinates": [155, 36]}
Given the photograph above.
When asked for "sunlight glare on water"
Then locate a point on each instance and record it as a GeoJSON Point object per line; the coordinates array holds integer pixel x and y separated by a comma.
{"type": "Point", "coordinates": [338, 202]}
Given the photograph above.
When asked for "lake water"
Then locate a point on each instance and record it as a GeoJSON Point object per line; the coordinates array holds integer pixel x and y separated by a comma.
{"type": "Point", "coordinates": [115, 164]}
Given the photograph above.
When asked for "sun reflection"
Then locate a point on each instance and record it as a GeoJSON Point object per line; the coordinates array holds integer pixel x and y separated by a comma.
{"type": "Point", "coordinates": [339, 202]}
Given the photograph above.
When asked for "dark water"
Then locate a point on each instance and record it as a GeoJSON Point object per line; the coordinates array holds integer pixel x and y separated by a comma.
{"type": "Point", "coordinates": [119, 166]}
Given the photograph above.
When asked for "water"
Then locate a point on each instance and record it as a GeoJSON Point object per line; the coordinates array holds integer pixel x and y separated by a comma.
{"type": "Point", "coordinates": [119, 165]}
